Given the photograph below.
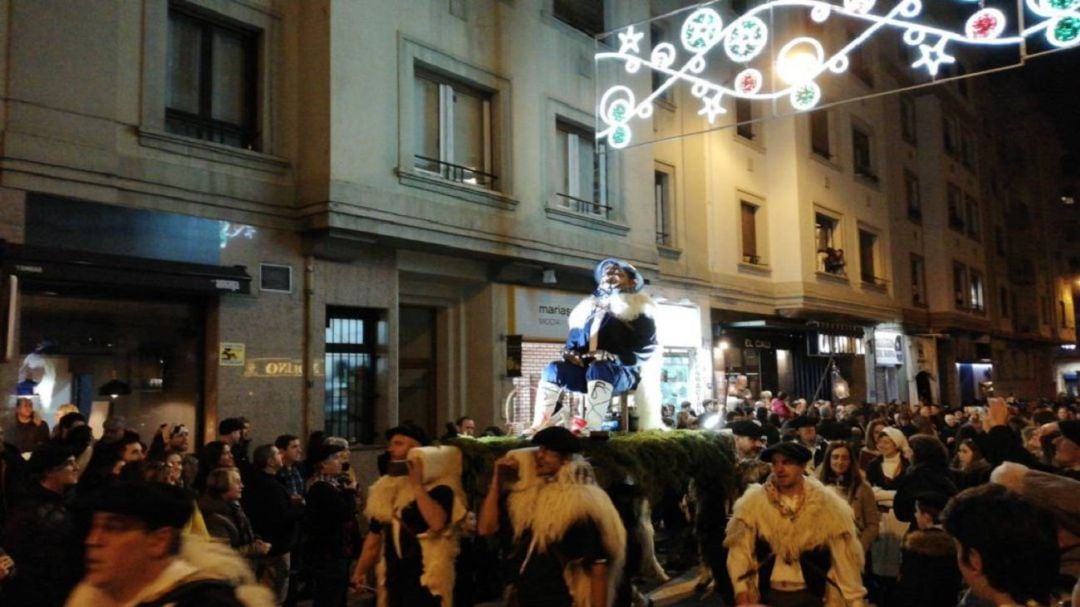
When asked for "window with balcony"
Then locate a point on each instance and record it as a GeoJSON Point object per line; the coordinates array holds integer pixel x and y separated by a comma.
{"type": "Point", "coordinates": [585, 15]}
{"type": "Point", "coordinates": [960, 286]}
{"type": "Point", "coordinates": [956, 207]}
{"type": "Point", "coordinates": [908, 122]}
{"type": "Point", "coordinates": [974, 228]}
{"type": "Point", "coordinates": [862, 154]}
{"type": "Point", "coordinates": [210, 79]}
{"type": "Point", "coordinates": [819, 134]}
{"type": "Point", "coordinates": [748, 216]}
{"type": "Point", "coordinates": [918, 281]}
{"type": "Point", "coordinates": [826, 237]}
{"type": "Point", "coordinates": [581, 171]}
{"type": "Point", "coordinates": [975, 289]}
{"type": "Point", "coordinates": [453, 131]}
{"type": "Point", "coordinates": [913, 195]}
{"type": "Point", "coordinates": [868, 259]}
{"type": "Point", "coordinates": [665, 224]}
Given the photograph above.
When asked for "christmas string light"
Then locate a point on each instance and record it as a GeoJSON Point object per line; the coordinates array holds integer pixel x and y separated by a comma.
{"type": "Point", "coordinates": [802, 61]}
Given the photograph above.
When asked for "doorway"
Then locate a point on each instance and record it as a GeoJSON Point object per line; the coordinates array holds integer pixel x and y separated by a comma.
{"type": "Point", "coordinates": [417, 374]}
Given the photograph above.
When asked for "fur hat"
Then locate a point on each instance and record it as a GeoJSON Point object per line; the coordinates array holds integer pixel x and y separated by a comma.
{"type": "Point", "coordinates": [321, 452]}
{"type": "Point", "coordinates": [637, 281]}
{"type": "Point", "coordinates": [795, 451]}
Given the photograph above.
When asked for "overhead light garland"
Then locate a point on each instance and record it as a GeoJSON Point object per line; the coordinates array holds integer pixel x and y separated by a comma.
{"type": "Point", "coordinates": [802, 61]}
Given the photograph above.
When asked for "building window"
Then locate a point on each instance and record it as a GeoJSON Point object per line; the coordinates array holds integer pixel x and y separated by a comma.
{"type": "Point", "coordinates": [860, 64]}
{"type": "Point", "coordinates": [868, 242]}
{"type": "Point", "coordinates": [1044, 310]}
{"type": "Point", "coordinates": [960, 286]}
{"type": "Point", "coordinates": [956, 208]}
{"type": "Point", "coordinates": [951, 136]}
{"type": "Point", "coordinates": [973, 225]}
{"type": "Point", "coordinates": [975, 288]}
{"type": "Point", "coordinates": [351, 353]}
{"type": "Point", "coordinates": [819, 133]}
{"type": "Point", "coordinates": [659, 78]}
{"type": "Point", "coordinates": [582, 171]}
{"type": "Point", "coordinates": [967, 150]}
{"type": "Point", "coordinates": [908, 121]}
{"type": "Point", "coordinates": [748, 216]}
{"type": "Point", "coordinates": [999, 240]}
{"type": "Point", "coordinates": [830, 255]}
{"type": "Point", "coordinates": [913, 195]}
{"type": "Point", "coordinates": [585, 15]}
{"type": "Point", "coordinates": [665, 225]}
{"type": "Point", "coordinates": [744, 116]}
{"type": "Point", "coordinates": [453, 131]}
{"type": "Point", "coordinates": [1003, 296]}
{"type": "Point", "coordinates": [862, 154]}
{"type": "Point", "coordinates": [918, 281]}
{"type": "Point", "coordinates": [211, 76]}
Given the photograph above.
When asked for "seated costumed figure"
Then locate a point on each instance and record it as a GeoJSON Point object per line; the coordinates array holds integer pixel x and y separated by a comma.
{"type": "Point", "coordinates": [612, 335]}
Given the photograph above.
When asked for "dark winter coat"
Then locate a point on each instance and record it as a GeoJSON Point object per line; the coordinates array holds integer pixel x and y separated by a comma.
{"type": "Point", "coordinates": [920, 478]}
{"type": "Point", "coordinates": [273, 515]}
{"type": "Point", "coordinates": [40, 536]}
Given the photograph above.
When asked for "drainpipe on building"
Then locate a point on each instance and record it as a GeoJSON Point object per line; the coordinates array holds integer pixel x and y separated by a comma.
{"type": "Point", "coordinates": [309, 370]}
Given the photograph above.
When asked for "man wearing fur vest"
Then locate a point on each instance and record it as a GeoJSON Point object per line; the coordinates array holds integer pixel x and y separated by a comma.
{"type": "Point", "coordinates": [612, 333]}
{"type": "Point", "coordinates": [415, 512]}
{"type": "Point", "coordinates": [569, 542]}
{"type": "Point", "coordinates": [791, 541]}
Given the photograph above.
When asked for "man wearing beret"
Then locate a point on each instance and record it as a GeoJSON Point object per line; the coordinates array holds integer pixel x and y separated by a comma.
{"type": "Point", "coordinates": [792, 542]}
{"type": "Point", "coordinates": [136, 555]}
{"type": "Point", "coordinates": [612, 334]}
{"type": "Point", "coordinates": [40, 532]}
{"type": "Point", "coordinates": [805, 429]}
{"type": "Point", "coordinates": [569, 542]}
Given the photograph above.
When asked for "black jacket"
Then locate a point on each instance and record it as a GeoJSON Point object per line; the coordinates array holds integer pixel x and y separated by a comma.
{"type": "Point", "coordinates": [273, 515]}
{"type": "Point", "coordinates": [929, 576]}
{"type": "Point", "coordinates": [918, 479]}
{"type": "Point", "coordinates": [41, 538]}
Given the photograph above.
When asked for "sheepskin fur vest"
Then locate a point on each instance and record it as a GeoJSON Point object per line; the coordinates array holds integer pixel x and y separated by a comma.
{"type": "Point", "coordinates": [389, 496]}
{"type": "Point", "coordinates": [550, 507]}
{"type": "Point", "coordinates": [823, 518]}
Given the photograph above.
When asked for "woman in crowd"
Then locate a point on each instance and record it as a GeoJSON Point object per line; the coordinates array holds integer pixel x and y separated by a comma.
{"type": "Point", "coordinates": [929, 473]}
{"type": "Point", "coordinates": [333, 536]}
{"type": "Point", "coordinates": [214, 455]}
{"type": "Point", "coordinates": [842, 475]}
{"type": "Point", "coordinates": [884, 474]}
{"type": "Point", "coordinates": [225, 519]}
{"type": "Point", "coordinates": [869, 451]}
{"type": "Point", "coordinates": [970, 468]}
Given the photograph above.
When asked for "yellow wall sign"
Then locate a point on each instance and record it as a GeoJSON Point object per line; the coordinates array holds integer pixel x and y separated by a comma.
{"type": "Point", "coordinates": [231, 354]}
{"type": "Point", "coordinates": [280, 367]}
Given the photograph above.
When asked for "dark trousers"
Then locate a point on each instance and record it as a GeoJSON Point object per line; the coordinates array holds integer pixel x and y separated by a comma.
{"type": "Point", "coordinates": [330, 583]}
{"type": "Point", "coordinates": [797, 598]}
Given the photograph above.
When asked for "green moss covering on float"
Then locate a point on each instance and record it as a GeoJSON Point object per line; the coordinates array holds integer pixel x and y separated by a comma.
{"type": "Point", "coordinates": [656, 462]}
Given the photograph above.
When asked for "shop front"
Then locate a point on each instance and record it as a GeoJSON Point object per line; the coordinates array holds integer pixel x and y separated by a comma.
{"type": "Point", "coordinates": [113, 333]}
{"type": "Point", "coordinates": [889, 382]}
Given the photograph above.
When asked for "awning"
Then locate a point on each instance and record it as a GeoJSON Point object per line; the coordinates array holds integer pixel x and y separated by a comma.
{"type": "Point", "coordinates": [47, 268]}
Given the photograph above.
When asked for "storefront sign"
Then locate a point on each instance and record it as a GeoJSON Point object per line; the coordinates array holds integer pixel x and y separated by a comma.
{"type": "Point", "coordinates": [280, 367]}
{"type": "Point", "coordinates": [513, 356]}
{"type": "Point", "coordinates": [757, 344]}
{"type": "Point", "coordinates": [888, 349]}
{"type": "Point", "coordinates": [231, 354]}
{"type": "Point", "coordinates": [541, 315]}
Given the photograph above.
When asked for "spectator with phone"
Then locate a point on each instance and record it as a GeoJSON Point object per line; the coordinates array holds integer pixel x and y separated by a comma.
{"type": "Point", "coordinates": [333, 535]}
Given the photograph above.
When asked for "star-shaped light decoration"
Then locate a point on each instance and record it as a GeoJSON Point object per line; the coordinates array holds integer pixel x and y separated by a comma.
{"type": "Point", "coordinates": [712, 107]}
{"type": "Point", "coordinates": [628, 40]}
{"type": "Point", "coordinates": [933, 56]}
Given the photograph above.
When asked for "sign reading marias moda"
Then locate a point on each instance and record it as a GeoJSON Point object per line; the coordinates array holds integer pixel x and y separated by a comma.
{"type": "Point", "coordinates": [541, 315]}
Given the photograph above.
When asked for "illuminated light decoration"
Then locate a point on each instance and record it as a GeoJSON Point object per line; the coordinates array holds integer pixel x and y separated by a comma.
{"type": "Point", "coordinates": [986, 24]}
{"type": "Point", "coordinates": [749, 81]}
{"type": "Point", "coordinates": [746, 41]}
{"type": "Point", "coordinates": [805, 62]}
{"type": "Point", "coordinates": [230, 231]}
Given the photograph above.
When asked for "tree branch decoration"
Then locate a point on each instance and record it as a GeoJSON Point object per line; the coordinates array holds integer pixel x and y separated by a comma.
{"type": "Point", "coordinates": [802, 61]}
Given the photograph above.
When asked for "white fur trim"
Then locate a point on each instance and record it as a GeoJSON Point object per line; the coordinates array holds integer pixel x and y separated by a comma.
{"type": "Point", "coordinates": [391, 494]}
{"type": "Point", "coordinates": [550, 508]}
{"type": "Point", "coordinates": [625, 306]}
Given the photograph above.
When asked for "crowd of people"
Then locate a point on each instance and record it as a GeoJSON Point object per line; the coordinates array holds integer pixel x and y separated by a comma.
{"type": "Point", "coordinates": [853, 504]}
